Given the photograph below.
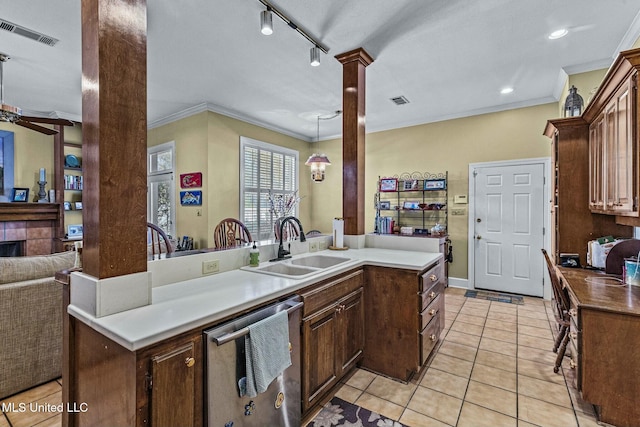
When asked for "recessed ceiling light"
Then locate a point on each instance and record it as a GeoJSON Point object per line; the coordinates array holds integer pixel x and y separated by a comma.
{"type": "Point", "coordinates": [506, 90]}
{"type": "Point", "coordinates": [558, 33]}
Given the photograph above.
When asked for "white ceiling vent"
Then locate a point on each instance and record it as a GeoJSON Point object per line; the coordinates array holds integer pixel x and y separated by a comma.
{"type": "Point", "coordinates": [400, 100]}
{"type": "Point", "coordinates": [26, 32]}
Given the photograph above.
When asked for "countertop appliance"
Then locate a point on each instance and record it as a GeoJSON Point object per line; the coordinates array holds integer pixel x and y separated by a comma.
{"type": "Point", "coordinates": [280, 404]}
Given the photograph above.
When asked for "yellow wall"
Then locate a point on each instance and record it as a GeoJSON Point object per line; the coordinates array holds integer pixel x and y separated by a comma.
{"type": "Point", "coordinates": [437, 147]}
{"type": "Point", "coordinates": [586, 83]}
{"type": "Point", "coordinates": [209, 143]}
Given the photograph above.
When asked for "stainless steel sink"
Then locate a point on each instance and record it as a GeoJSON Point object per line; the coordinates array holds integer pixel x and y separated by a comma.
{"type": "Point", "coordinates": [319, 261]}
{"type": "Point", "coordinates": [285, 269]}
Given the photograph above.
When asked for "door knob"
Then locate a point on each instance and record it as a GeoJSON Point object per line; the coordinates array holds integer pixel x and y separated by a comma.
{"type": "Point", "coordinates": [479, 237]}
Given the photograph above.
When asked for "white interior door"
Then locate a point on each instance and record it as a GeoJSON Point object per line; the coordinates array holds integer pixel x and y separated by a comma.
{"type": "Point", "coordinates": [509, 228]}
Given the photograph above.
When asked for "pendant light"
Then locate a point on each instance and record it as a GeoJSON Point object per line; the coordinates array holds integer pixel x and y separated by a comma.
{"type": "Point", "coordinates": [319, 162]}
{"type": "Point", "coordinates": [266, 22]}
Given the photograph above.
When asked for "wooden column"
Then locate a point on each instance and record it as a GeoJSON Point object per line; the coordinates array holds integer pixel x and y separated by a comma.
{"type": "Point", "coordinates": [58, 186]}
{"type": "Point", "coordinates": [353, 135]}
{"type": "Point", "coordinates": [114, 136]}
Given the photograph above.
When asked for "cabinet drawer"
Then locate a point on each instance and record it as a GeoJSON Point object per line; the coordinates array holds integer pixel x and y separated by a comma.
{"type": "Point", "coordinates": [433, 276]}
{"type": "Point", "coordinates": [428, 338]}
{"type": "Point", "coordinates": [428, 296]}
{"type": "Point", "coordinates": [434, 309]}
{"type": "Point", "coordinates": [331, 291]}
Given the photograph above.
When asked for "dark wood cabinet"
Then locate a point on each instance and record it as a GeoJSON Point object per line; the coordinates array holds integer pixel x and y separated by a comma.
{"type": "Point", "coordinates": [161, 385]}
{"type": "Point", "coordinates": [332, 334]}
{"type": "Point", "coordinates": [173, 384]}
{"type": "Point", "coordinates": [574, 224]}
{"type": "Point", "coordinates": [407, 309]}
{"type": "Point", "coordinates": [614, 138]}
{"type": "Point", "coordinates": [612, 158]}
{"type": "Point", "coordinates": [604, 331]}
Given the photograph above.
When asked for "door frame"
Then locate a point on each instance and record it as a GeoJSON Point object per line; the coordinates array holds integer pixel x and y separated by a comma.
{"type": "Point", "coordinates": [546, 220]}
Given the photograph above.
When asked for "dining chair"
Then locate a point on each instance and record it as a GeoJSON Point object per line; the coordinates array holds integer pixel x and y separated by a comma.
{"type": "Point", "coordinates": [561, 312]}
{"type": "Point", "coordinates": [230, 233]}
{"type": "Point", "coordinates": [157, 241]}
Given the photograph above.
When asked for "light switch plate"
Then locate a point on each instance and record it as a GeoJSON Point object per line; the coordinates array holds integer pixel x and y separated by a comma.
{"type": "Point", "coordinates": [460, 199]}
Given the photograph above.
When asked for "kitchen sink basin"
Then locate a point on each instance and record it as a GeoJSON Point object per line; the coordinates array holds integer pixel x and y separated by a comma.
{"type": "Point", "coordinates": [298, 268]}
{"type": "Point", "coordinates": [285, 269]}
{"type": "Point", "coordinates": [319, 261]}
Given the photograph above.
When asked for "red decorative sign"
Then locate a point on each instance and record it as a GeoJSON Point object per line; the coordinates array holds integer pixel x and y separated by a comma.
{"type": "Point", "coordinates": [191, 180]}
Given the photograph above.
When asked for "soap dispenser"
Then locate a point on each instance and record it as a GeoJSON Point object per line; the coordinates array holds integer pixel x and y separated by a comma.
{"type": "Point", "coordinates": [254, 256]}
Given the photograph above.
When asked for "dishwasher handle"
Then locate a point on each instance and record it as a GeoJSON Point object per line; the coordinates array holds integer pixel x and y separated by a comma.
{"type": "Point", "coordinates": [223, 339]}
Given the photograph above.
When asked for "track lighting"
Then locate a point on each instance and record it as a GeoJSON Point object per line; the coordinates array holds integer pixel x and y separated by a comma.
{"type": "Point", "coordinates": [266, 27]}
{"type": "Point", "coordinates": [266, 22]}
{"type": "Point", "coordinates": [315, 56]}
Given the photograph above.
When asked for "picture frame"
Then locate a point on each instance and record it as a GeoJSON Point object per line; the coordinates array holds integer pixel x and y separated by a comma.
{"type": "Point", "coordinates": [78, 206]}
{"type": "Point", "coordinates": [20, 195]}
{"type": "Point", "coordinates": [384, 205]}
{"type": "Point", "coordinates": [389, 184]}
{"type": "Point", "coordinates": [410, 184]}
{"type": "Point", "coordinates": [74, 231]}
{"type": "Point", "coordinates": [67, 206]}
{"type": "Point", "coordinates": [411, 205]}
{"type": "Point", "coordinates": [191, 198]}
{"type": "Point", "coordinates": [435, 184]}
{"type": "Point", "coordinates": [191, 180]}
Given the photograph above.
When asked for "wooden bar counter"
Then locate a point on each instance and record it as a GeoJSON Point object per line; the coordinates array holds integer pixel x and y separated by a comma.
{"type": "Point", "coordinates": [605, 343]}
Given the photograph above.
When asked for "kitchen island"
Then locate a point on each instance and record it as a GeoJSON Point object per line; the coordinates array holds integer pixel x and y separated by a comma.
{"type": "Point", "coordinates": [120, 361]}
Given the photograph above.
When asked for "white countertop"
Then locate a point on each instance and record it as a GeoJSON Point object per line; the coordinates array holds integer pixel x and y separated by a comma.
{"type": "Point", "coordinates": [194, 303]}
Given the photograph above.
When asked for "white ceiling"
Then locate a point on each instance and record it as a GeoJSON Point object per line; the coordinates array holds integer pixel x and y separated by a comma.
{"type": "Point", "coordinates": [448, 58]}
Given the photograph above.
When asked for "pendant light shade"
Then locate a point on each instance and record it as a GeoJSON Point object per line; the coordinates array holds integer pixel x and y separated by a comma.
{"type": "Point", "coordinates": [315, 56]}
{"type": "Point", "coordinates": [318, 162]}
{"type": "Point", "coordinates": [266, 22]}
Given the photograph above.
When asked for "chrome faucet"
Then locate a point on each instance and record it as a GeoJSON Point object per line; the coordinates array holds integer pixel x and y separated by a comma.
{"type": "Point", "coordinates": [282, 253]}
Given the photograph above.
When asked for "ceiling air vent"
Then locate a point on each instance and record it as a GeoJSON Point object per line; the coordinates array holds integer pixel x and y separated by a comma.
{"type": "Point", "coordinates": [25, 32]}
{"type": "Point", "coordinates": [400, 100]}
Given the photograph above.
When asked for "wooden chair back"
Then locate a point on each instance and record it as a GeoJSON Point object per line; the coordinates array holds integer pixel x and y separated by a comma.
{"type": "Point", "coordinates": [560, 294]}
{"type": "Point", "coordinates": [230, 233]}
{"type": "Point", "coordinates": [157, 241]}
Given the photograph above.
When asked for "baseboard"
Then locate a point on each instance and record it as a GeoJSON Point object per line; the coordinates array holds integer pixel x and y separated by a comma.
{"type": "Point", "coordinates": [455, 282]}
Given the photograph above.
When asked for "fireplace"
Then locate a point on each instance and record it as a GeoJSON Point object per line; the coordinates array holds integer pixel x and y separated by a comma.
{"type": "Point", "coordinates": [28, 228]}
{"type": "Point", "coordinates": [15, 248]}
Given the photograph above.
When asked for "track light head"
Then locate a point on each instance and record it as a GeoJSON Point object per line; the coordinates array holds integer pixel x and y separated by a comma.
{"type": "Point", "coordinates": [266, 22]}
{"type": "Point", "coordinates": [315, 56]}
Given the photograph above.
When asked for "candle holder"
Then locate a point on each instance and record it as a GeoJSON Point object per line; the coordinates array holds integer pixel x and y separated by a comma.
{"type": "Point", "coordinates": [42, 194]}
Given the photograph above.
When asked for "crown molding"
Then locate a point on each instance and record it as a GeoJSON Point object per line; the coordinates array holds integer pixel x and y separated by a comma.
{"type": "Point", "coordinates": [630, 37]}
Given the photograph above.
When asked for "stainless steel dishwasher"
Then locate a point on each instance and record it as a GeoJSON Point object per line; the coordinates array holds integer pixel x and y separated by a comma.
{"type": "Point", "coordinates": [280, 404]}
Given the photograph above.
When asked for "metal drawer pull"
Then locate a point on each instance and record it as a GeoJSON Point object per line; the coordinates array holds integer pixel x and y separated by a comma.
{"type": "Point", "coordinates": [432, 295]}
{"type": "Point", "coordinates": [572, 364]}
{"type": "Point", "coordinates": [573, 312]}
{"type": "Point", "coordinates": [433, 278]}
{"type": "Point", "coordinates": [432, 311]}
{"type": "Point", "coordinates": [432, 337]}
{"type": "Point", "coordinates": [189, 361]}
{"type": "Point", "coordinates": [574, 335]}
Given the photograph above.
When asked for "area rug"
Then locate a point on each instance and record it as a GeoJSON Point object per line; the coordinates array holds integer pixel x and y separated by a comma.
{"type": "Point", "coordinates": [495, 296]}
{"type": "Point", "coordinates": [337, 412]}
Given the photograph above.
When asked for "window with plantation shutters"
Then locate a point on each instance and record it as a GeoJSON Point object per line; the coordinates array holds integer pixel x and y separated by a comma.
{"type": "Point", "coordinates": [264, 169]}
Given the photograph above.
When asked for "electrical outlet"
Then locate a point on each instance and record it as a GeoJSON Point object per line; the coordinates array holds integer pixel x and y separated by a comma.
{"type": "Point", "coordinates": [322, 245]}
{"type": "Point", "coordinates": [209, 267]}
{"type": "Point", "coordinates": [313, 246]}
{"type": "Point", "coordinates": [457, 212]}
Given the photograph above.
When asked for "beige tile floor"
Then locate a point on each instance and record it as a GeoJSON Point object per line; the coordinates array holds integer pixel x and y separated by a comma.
{"type": "Point", "coordinates": [494, 367]}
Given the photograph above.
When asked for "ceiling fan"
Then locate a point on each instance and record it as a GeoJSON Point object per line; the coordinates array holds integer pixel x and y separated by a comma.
{"type": "Point", "coordinates": [11, 114]}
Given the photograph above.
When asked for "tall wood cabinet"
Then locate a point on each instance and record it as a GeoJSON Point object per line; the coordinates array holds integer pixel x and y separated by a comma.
{"type": "Point", "coordinates": [573, 222]}
{"type": "Point", "coordinates": [614, 137]}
